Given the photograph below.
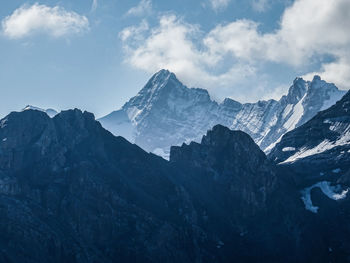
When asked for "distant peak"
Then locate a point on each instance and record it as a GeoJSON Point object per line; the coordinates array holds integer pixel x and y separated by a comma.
{"type": "Point", "coordinates": [77, 114]}
{"type": "Point", "coordinates": [319, 84]}
{"type": "Point", "coordinates": [219, 145]}
{"type": "Point", "coordinates": [221, 135]}
{"type": "Point", "coordinates": [297, 79]}
{"type": "Point", "coordinates": [163, 74]}
{"type": "Point", "coordinates": [30, 107]}
{"type": "Point", "coordinates": [163, 71]}
{"type": "Point", "coordinates": [50, 112]}
{"type": "Point", "coordinates": [316, 78]}
{"type": "Point", "coordinates": [297, 90]}
{"type": "Point", "coordinates": [158, 82]}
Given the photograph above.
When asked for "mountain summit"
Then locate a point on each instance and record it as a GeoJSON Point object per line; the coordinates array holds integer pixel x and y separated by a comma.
{"type": "Point", "coordinates": [319, 149]}
{"type": "Point", "coordinates": [166, 112]}
{"type": "Point", "coordinates": [50, 112]}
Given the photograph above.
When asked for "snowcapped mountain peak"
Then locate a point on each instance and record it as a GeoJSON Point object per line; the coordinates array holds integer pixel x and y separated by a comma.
{"type": "Point", "coordinates": [166, 113]}
{"type": "Point", "coordinates": [164, 91]}
{"type": "Point", "coordinates": [296, 91]}
{"type": "Point", "coordinates": [322, 94]}
{"type": "Point", "coordinates": [162, 77]}
{"type": "Point", "coordinates": [162, 74]}
{"type": "Point", "coordinates": [319, 83]}
{"type": "Point", "coordinates": [319, 146]}
{"type": "Point", "coordinates": [159, 83]}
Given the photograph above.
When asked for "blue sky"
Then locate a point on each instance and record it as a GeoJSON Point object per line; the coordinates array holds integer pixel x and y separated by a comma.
{"type": "Point", "coordinates": [95, 55]}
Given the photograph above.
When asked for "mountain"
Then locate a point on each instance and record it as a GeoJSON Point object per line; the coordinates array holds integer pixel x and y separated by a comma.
{"type": "Point", "coordinates": [50, 112]}
{"type": "Point", "coordinates": [161, 114]}
{"type": "Point", "coordinates": [232, 158]}
{"type": "Point", "coordinates": [321, 147]}
{"type": "Point", "coordinates": [316, 157]}
{"type": "Point", "coordinates": [70, 191]}
{"type": "Point", "coordinates": [165, 113]}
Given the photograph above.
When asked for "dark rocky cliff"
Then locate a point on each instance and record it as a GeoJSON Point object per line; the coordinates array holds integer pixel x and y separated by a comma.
{"type": "Point", "coordinates": [72, 192]}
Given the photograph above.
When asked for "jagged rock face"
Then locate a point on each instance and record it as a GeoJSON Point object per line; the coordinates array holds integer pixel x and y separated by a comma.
{"type": "Point", "coordinates": [161, 114]}
{"type": "Point", "coordinates": [317, 156]}
{"type": "Point", "coordinates": [50, 112]}
{"type": "Point", "coordinates": [164, 101]}
{"type": "Point", "coordinates": [255, 211]}
{"type": "Point", "coordinates": [319, 148]}
{"type": "Point", "coordinates": [231, 157]}
{"type": "Point", "coordinates": [72, 192]}
{"type": "Point", "coordinates": [166, 113]}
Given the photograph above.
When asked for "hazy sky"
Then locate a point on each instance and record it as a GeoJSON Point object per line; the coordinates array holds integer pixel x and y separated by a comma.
{"type": "Point", "coordinates": [95, 55]}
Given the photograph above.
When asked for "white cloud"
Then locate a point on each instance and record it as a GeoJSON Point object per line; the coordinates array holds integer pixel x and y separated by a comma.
{"type": "Point", "coordinates": [143, 8]}
{"type": "Point", "coordinates": [260, 5]}
{"type": "Point", "coordinates": [54, 21]}
{"type": "Point", "coordinates": [170, 46]}
{"type": "Point", "coordinates": [337, 72]}
{"type": "Point", "coordinates": [308, 30]}
{"type": "Point", "coordinates": [219, 4]}
{"type": "Point", "coordinates": [134, 32]}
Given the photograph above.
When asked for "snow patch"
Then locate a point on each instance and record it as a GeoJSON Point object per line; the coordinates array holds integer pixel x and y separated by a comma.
{"type": "Point", "coordinates": [287, 110]}
{"type": "Point", "coordinates": [288, 149]}
{"type": "Point", "coordinates": [332, 192]}
{"type": "Point", "coordinates": [298, 112]}
{"type": "Point", "coordinates": [320, 148]}
{"type": "Point", "coordinates": [335, 126]}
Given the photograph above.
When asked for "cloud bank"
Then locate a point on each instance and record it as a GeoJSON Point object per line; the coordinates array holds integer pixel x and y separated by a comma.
{"type": "Point", "coordinates": [54, 21]}
{"type": "Point", "coordinates": [308, 30]}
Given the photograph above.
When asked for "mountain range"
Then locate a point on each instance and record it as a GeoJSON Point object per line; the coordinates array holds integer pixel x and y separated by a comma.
{"type": "Point", "coordinates": [71, 191]}
{"type": "Point", "coordinates": [166, 113]}
{"type": "Point", "coordinates": [319, 149]}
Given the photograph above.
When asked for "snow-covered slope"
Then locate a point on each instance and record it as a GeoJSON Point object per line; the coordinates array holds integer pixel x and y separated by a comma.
{"type": "Point", "coordinates": [317, 154]}
{"type": "Point", "coordinates": [166, 113]}
{"type": "Point", "coordinates": [50, 112]}
{"type": "Point", "coordinates": [324, 140]}
{"type": "Point", "coordinates": [303, 101]}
